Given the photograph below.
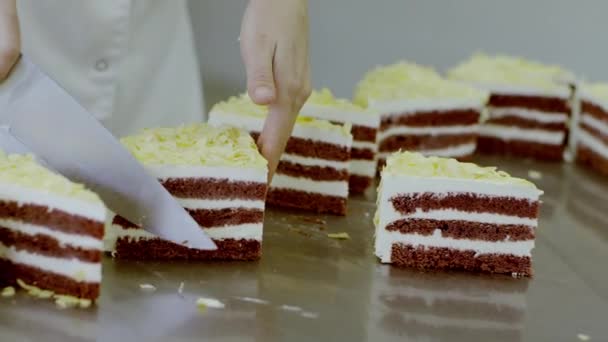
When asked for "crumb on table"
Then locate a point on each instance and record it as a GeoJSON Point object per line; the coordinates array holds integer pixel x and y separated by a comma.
{"type": "Point", "coordinates": [338, 236]}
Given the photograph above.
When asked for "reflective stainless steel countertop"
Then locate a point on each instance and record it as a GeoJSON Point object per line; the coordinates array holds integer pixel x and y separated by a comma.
{"type": "Point", "coordinates": [308, 287]}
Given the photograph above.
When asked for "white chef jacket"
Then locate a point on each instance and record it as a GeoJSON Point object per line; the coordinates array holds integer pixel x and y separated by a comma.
{"type": "Point", "coordinates": [131, 63]}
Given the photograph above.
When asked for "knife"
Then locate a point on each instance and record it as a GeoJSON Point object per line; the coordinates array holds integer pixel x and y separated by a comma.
{"type": "Point", "coordinates": [43, 118]}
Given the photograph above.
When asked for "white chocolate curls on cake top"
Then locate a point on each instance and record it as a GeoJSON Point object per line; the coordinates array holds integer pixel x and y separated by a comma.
{"type": "Point", "coordinates": [219, 177]}
{"type": "Point", "coordinates": [420, 111]}
{"type": "Point", "coordinates": [314, 170]}
{"type": "Point", "coordinates": [591, 133]}
{"type": "Point", "coordinates": [440, 213]}
{"type": "Point", "coordinates": [501, 73]}
{"type": "Point", "coordinates": [195, 145]}
{"type": "Point", "coordinates": [51, 230]}
{"type": "Point", "coordinates": [324, 105]}
{"type": "Point", "coordinates": [529, 108]}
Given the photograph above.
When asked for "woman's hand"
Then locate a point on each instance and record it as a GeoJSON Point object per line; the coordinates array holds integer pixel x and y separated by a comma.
{"type": "Point", "coordinates": [10, 41]}
{"type": "Point", "coordinates": [274, 47]}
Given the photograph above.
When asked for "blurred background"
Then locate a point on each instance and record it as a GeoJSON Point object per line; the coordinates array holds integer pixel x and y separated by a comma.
{"type": "Point", "coordinates": [348, 37]}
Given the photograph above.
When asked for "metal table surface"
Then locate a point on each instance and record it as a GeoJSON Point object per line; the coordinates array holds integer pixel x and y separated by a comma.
{"type": "Point", "coordinates": [308, 287]}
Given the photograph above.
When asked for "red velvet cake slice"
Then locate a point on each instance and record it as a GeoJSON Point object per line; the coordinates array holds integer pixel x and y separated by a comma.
{"type": "Point", "coordinates": [437, 213]}
{"type": "Point", "coordinates": [217, 174]}
{"type": "Point", "coordinates": [51, 233]}
{"type": "Point", "coordinates": [591, 136]}
{"type": "Point", "coordinates": [323, 105]}
{"type": "Point", "coordinates": [529, 107]}
{"type": "Point", "coordinates": [313, 172]}
{"type": "Point", "coordinates": [421, 112]}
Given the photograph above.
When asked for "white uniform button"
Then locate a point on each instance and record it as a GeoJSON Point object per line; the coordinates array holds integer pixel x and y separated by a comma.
{"type": "Point", "coordinates": [101, 65]}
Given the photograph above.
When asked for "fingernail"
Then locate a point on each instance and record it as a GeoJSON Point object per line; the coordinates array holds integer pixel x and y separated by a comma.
{"type": "Point", "coordinates": [263, 93]}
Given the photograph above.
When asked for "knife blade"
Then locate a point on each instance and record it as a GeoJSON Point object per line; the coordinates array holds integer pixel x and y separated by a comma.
{"type": "Point", "coordinates": [45, 119]}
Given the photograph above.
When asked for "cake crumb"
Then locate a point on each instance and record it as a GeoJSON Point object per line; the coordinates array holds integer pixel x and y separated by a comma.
{"type": "Point", "coordinates": [62, 301]}
{"type": "Point", "coordinates": [517, 275]}
{"type": "Point", "coordinates": [147, 287]}
{"type": "Point", "coordinates": [307, 314]}
{"type": "Point", "coordinates": [583, 337]}
{"type": "Point", "coordinates": [203, 303]}
{"type": "Point", "coordinates": [536, 175]}
{"type": "Point", "coordinates": [180, 289]}
{"type": "Point", "coordinates": [8, 292]}
{"type": "Point", "coordinates": [291, 308]}
{"type": "Point", "coordinates": [339, 236]}
{"type": "Point", "coordinates": [253, 300]}
{"type": "Point", "coordinates": [35, 291]}
{"type": "Point", "coordinates": [65, 302]}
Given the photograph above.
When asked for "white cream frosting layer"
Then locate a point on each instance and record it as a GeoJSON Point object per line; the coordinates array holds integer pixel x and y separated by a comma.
{"type": "Point", "coordinates": [365, 145]}
{"type": "Point", "coordinates": [330, 188]}
{"type": "Point", "coordinates": [308, 161]}
{"type": "Point", "coordinates": [360, 118]}
{"type": "Point", "coordinates": [593, 143]}
{"type": "Point", "coordinates": [453, 151]}
{"type": "Point", "coordinates": [390, 215]}
{"type": "Point", "coordinates": [398, 185]}
{"type": "Point", "coordinates": [386, 239]}
{"type": "Point", "coordinates": [255, 124]}
{"type": "Point", "coordinates": [585, 95]}
{"type": "Point", "coordinates": [524, 113]}
{"type": "Point", "coordinates": [72, 268]}
{"type": "Point", "coordinates": [508, 133]}
{"type": "Point", "coordinates": [75, 240]}
{"type": "Point", "coordinates": [255, 175]}
{"type": "Point", "coordinates": [91, 210]}
{"type": "Point", "coordinates": [414, 106]}
{"type": "Point", "coordinates": [427, 130]}
{"type": "Point", "coordinates": [247, 231]}
{"type": "Point", "coordinates": [365, 168]}
{"type": "Point", "coordinates": [194, 204]}
{"type": "Point", "coordinates": [598, 125]}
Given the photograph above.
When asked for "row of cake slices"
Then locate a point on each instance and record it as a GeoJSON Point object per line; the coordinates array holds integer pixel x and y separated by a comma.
{"type": "Point", "coordinates": [52, 231]}
{"type": "Point", "coordinates": [51, 235]}
{"type": "Point", "coordinates": [489, 104]}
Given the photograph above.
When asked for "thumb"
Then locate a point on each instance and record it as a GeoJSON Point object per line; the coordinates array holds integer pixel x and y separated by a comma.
{"type": "Point", "coordinates": [258, 58]}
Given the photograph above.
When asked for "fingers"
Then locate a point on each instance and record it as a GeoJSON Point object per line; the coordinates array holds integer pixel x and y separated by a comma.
{"type": "Point", "coordinates": [274, 47]}
{"type": "Point", "coordinates": [277, 130]}
{"type": "Point", "coordinates": [293, 88]}
{"type": "Point", "coordinates": [10, 46]}
{"type": "Point", "coordinates": [257, 49]}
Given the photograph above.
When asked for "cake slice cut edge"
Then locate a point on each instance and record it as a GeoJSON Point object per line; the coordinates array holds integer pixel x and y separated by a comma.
{"type": "Point", "coordinates": [51, 232]}
{"type": "Point", "coordinates": [438, 213]}
{"type": "Point", "coordinates": [217, 175]}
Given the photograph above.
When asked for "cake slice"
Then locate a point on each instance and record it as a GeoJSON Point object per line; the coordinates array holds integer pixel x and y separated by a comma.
{"type": "Point", "coordinates": [529, 107]}
{"type": "Point", "coordinates": [437, 213]}
{"type": "Point", "coordinates": [219, 177]}
{"type": "Point", "coordinates": [323, 105]}
{"type": "Point", "coordinates": [51, 232]}
{"type": "Point", "coordinates": [592, 134]}
{"type": "Point", "coordinates": [313, 172]}
{"type": "Point", "coordinates": [421, 112]}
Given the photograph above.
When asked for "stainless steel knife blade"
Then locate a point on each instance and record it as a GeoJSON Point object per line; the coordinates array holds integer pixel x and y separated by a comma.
{"type": "Point", "coordinates": [46, 120]}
